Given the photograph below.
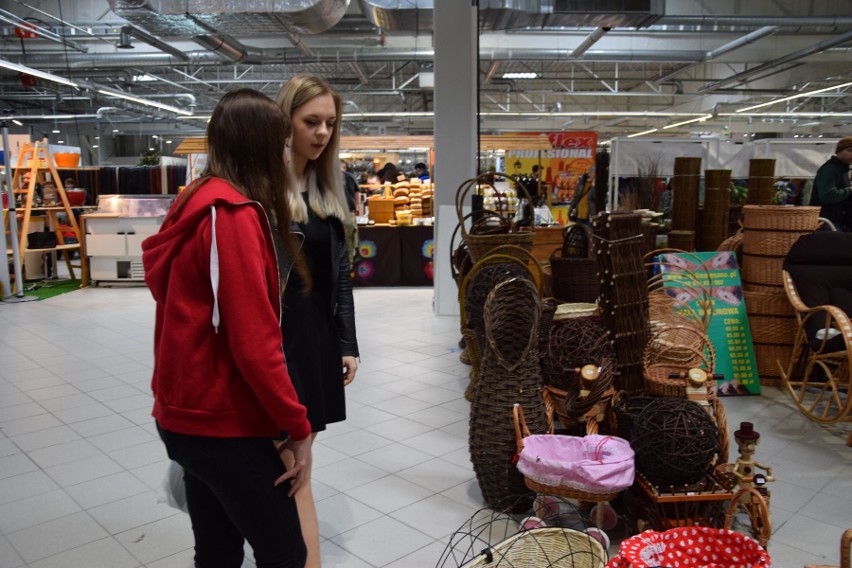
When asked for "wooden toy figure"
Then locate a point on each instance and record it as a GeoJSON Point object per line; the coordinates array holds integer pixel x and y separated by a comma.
{"type": "Point", "coordinates": [746, 470]}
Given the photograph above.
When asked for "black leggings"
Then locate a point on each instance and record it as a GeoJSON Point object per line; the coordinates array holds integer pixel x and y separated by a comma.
{"type": "Point", "coordinates": [231, 497]}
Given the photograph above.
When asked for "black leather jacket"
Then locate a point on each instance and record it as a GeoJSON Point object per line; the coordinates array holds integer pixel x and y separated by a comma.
{"type": "Point", "coordinates": [342, 303]}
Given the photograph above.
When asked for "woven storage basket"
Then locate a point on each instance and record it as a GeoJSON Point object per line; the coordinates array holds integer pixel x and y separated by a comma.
{"type": "Point", "coordinates": [762, 288]}
{"type": "Point", "coordinates": [685, 185]}
{"type": "Point", "coordinates": [549, 547]}
{"type": "Point", "coordinates": [480, 244]}
{"type": "Point", "coordinates": [772, 329]}
{"type": "Point", "coordinates": [780, 217]}
{"type": "Point", "coordinates": [768, 357]}
{"type": "Point", "coordinates": [773, 303]}
{"type": "Point", "coordinates": [509, 374]}
{"type": "Point", "coordinates": [770, 243]}
{"type": "Point", "coordinates": [763, 270]}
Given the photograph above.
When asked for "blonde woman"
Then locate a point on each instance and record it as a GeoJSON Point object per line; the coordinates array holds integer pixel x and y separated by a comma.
{"type": "Point", "coordinates": [319, 318]}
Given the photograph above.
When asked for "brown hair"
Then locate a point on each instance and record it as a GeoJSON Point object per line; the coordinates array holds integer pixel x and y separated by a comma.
{"type": "Point", "coordinates": [256, 170]}
{"type": "Point", "coordinates": [325, 183]}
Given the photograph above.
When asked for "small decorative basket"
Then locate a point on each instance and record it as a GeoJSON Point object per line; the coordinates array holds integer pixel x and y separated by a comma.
{"type": "Point", "coordinates": [479, 239]}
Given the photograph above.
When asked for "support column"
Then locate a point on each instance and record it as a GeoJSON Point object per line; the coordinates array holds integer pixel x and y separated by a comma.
{"type": "Point", "coordinates": [456, 69]}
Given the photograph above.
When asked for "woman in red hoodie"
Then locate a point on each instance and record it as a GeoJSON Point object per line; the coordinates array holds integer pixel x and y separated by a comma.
{"type": "Point", "coordinates": [222, 393]}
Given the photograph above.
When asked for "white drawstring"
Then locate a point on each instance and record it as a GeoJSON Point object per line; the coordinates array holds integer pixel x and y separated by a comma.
{"type": "Point", "coordinates": [214, 269]}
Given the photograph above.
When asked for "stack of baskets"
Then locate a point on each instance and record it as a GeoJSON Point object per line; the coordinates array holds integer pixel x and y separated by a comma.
{"type": "Point", "coordinates": [685, 183]}
{"type": "Point", "coordinates": [768, 233]}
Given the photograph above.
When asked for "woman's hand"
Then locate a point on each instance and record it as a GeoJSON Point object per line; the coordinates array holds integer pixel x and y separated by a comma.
{"type": "Point", "coordinates": [350, 366]}
{"type": "Point", "coordinates": [300, 472]}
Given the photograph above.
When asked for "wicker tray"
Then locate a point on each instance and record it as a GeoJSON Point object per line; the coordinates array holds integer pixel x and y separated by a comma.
{"type": "Point", "coordinates": [780, 217]}
{"type": "Point", "coordinates": [704, 504]}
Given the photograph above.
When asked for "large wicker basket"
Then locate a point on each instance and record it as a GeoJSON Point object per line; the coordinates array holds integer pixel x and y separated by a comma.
{"type": "Point", "coordinates": [780, 217]}
{"type": "Point", "coordinates": [479, 245]}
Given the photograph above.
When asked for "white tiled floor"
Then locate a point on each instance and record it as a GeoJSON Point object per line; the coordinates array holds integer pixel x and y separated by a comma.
{"type": "Point", "coordinates": [81, 465]}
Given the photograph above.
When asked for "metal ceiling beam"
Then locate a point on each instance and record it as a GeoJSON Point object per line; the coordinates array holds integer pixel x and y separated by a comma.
{"type": "Point", "coordinates": [796, 55]}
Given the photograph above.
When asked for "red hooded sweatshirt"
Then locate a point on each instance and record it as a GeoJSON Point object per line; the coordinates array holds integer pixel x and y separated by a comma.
{"type": "Point", "coordinates": [219, 367]}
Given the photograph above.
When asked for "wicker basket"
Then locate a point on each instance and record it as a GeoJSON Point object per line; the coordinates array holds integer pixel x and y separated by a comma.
{"type": "Point", "coordinates": [544, 547]}
{"type": "Point", "coordinates": [770, 243]}
{"type": "Point", "coordinates": [763, 270]}
{"type": "Point", "coordinates": [674, 350]}
{"type": "Point", "coordinates": [574, 266]}
{"type": "Point", "coordinates": [773, 329]}
{"type": "Point", "coordinates": [521, 432]}
{"type": "Point", "coordinates": [480, 245]}
{"type": "Point", "coordinates": [768, 357]}
{"type": "Point", "coordinates": [780, 217]}
{"type": "Point", "coordinates": [509, 374]}
{"type": "Point", "coordinates": [773, 303]}
{"type": "Point", "coordinates": [683, 240]}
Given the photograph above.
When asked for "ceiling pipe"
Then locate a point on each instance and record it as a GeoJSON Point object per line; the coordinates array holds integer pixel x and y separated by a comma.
{"type": "Point", "coordinates": [592, 39]}
{"type": "Point", "coordinates": [276, 57]}
{"type": "Point", "coordinates": [144, 36]}
{"type": "Point", "coordinates": [11, 18]}
{"type": "Point", "coordinates": [721, 50]}
{"type": "Point", "coordinates": [796, 55]}
{"type": "Point", "coordinates": [779, 21]}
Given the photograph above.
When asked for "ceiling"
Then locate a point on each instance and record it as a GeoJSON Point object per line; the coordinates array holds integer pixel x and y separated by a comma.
{"type": "Point", "coordinates": [618, 67]}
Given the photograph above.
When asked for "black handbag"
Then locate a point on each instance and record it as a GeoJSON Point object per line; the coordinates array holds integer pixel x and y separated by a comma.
{"type": "Point", "coordinates": [41, 240]}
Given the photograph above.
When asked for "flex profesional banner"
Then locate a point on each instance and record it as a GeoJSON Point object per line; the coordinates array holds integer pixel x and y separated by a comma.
{"type": "Point", "coordinates": [709, 282]}
{"type": "Point", "coordinates": [572, 154]}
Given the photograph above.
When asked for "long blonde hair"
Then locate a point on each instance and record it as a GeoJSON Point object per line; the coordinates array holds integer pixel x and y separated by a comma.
{"type": "Point", "coordinates": [323, 178]}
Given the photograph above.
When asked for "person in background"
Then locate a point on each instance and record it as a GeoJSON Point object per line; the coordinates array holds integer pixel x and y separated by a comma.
{"type": "Point", "coordinates": [319, 321]}
{"type": "Point", "coordinates": [353, 197]}
{"type": "Point", "coordinates": [222, 393]}
{"type": "Point", "coordinates": [389, 173]}
{"type": "Point", "coordinates": [421, 171]}
{"type": "Point", "coordinates": [832, 191]}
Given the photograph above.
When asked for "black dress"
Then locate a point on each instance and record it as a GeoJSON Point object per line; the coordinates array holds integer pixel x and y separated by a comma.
{"type": "Point", "coordinates": [311, 342]}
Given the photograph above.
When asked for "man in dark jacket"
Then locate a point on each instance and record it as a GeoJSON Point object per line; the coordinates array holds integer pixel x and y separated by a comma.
{"type": "Point", "coordinates": [832, 191]}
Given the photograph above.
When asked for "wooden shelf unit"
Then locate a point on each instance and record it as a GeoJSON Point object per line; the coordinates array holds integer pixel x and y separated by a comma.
{"type": "Point", "coordinates": [36, 159]}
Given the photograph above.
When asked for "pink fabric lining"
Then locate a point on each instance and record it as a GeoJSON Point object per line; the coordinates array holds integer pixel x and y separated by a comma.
{"type": "Point", "coordinates": [595, 463]}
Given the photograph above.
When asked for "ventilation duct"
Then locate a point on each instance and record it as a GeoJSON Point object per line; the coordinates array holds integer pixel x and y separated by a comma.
{"type": "Point", "coordinates": [168, 18]}
{"type": "Point", "coordinates": [498, 15]}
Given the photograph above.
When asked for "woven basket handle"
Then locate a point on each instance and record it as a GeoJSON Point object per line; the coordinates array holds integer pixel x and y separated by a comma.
{"type": "Point", "coordinates": [464, 188]}
{"type": "Point", "coordinates": [587, 234]}
{"type": "Point", "coordinates": [521, 430]}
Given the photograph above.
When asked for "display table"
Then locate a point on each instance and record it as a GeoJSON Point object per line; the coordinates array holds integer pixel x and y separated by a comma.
{"type": "Point", "coordinates": [394, 256]}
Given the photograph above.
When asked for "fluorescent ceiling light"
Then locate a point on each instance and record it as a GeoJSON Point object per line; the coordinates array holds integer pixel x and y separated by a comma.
{"type": "Point", "coordinates": [690, 121]}
{"type": "Point", "coordinates": [36, 73]}
{"type": "Point", "coordinates": [635, 134]}
{"type": "Point", "coordinates": [789, 114]}
{"type": "Point", "coordinates": [141, 101]}
{"type": "Point", "coordinates": [799, 96]}
{"type": "Point", "coordinates": [18, 122]}
{"type": "Point", "coordinates": [520, 75]}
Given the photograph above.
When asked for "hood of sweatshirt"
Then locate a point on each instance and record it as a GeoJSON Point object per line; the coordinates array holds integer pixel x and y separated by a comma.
{"type": "Point", "coordinates": [159, 250]}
